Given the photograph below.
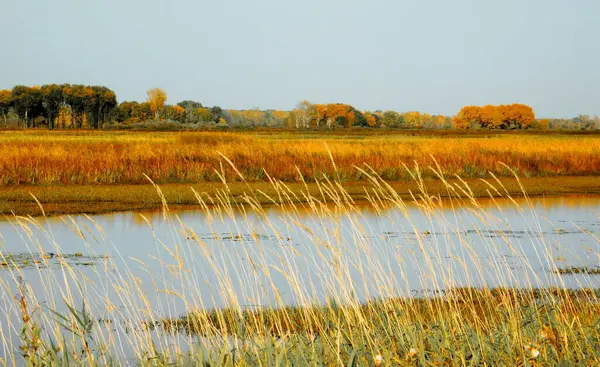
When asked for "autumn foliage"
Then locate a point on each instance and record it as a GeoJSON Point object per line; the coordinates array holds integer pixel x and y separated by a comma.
{"type": "Point", "coordinates": [69, 106]}
{"type": "Point", "coordinates": [513, 116]}
{"type": "Point", "coordinates": [156, 100]}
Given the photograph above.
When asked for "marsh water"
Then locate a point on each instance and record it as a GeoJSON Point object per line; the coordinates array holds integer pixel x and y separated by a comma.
{"type": "Point", "coordinates": [154, 264]}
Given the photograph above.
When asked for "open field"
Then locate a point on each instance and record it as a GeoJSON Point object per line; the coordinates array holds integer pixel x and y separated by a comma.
{"type": "Point", "coordinates": [50, 158]}
{"type": "Point", "coordinates": [90, 171]}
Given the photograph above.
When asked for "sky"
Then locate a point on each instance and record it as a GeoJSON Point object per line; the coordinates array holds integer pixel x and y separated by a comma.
{"type": "Point", "coordinates": [433, 56]}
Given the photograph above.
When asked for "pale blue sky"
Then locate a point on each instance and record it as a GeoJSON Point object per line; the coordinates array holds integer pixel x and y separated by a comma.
{"type": "Point", "coordinates": [431, 56]}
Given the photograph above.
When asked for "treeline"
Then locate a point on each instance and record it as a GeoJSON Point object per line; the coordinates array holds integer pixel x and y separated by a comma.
{"type": "Point", "coordinates": [59, 105]}
{"type": "Point", "coordinates": [308, 115]}
{"type": "Point", "coordinates": [95, 107]}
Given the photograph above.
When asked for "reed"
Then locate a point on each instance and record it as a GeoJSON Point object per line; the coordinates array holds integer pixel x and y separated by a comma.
{"type": "Point", "coordinates": [343, 301]}
{"type": "Point", "coordinates": [76, 158]}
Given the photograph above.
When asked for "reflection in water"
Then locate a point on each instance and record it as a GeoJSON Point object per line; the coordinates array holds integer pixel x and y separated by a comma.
{"type": "Point", "coordinates": [159, 265]}
{"type": "Point", "coordinates": [539, 204]}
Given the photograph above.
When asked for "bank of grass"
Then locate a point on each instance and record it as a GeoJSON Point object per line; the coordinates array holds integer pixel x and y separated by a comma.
{"type": "Point", "coordinates": [84, 157]}
{"type": "Point", "coordinates": [95, 199]}
{"type": "Point", "coordinates": [459, 327]}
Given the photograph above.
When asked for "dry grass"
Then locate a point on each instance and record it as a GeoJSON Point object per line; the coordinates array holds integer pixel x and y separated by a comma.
{"type": "Point", "coordinates": [76, 199]}
{"type": "Point", "coordinates": [50, 158]}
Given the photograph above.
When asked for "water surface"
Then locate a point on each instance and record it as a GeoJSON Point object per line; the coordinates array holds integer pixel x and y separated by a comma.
{"type": "Point", "coordinates": [149, 265]}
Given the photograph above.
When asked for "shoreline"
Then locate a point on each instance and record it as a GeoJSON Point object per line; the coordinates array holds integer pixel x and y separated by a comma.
{"type": "Point", "coordinates": [100, 199]}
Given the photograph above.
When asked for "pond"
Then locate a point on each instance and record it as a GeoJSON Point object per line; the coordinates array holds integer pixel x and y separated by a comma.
{"type": "Point", "coordinates": [144, 266]}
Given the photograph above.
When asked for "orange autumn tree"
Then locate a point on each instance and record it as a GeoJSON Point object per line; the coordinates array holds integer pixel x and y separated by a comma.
{"type": "Point", "coordinates": [372, 119]}
{"type": "Point", "coordinates": [334, 113]}
{"type": "Point", "coordinates": [519, 115]}
{"type": "Point", "coordinates": [515, 115]}
{"type": "Point", "coordinates": [468, 116]}
{"type": "Point", "coordinates": [491, 117]}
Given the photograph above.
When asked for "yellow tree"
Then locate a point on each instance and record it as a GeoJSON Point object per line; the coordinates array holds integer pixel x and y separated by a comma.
{"type": "Point", "coordinates": [371, 118]}
{"type": "Point", "coordinates": [254, 116]}
{"type": "Point", "coordinates": [279, 117]}
{"type": "Point", "coordinates": [179, 113]}
{"type": "Point", "coordinates": [459, 123]}
{"type": "Point", "coordinates": [65, 117]}
{"type": "Point", "coordinates": [541, 124]}
{"type": "Point", "coordinates": [520, 115]}
{"type": "Point", "coordinates": [468, 116]}
{"type": "Point", "coordinates": [205, 114]}
{"type": "Point", "coordinates": [320, 114]}
{"type": "Point", "coordinates": [491, 116]}
{"type": "Point", "coordinates": [413, 119]}
{"type": "Point", "coordinates": [339, 113]}
{"type": "Point", "coordinates": [156, 99]}
{"type": "Point", "coordinates": [439, 121]}
{"type": "Point", "coordinates": [5, 102]}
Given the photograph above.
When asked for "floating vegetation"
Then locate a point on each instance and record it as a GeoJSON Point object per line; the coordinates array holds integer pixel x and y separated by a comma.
{"type": "Point", "coordinates": [21, 260]}
{"type": "Point", "coordinates": [579, 270]}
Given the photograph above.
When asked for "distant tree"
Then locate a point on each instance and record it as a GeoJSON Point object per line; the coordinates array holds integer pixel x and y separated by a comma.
{"type": "Point", "coordinates": [124, 111]}
{"type": "Point", "coordinates": [156, 99]}
{"type": "Point", "coordinates": [491, 117]}
{"type": "Point", "coordinates": [515, 115]}
{"type": "Point", "coordinates": [141, 111]}
{"type": "Point", "coordinates": [519, 115]}
{"type": "Point", "coordinates": [359, 119]}
{"type": "Point", "coordinates": [392, 119]}
{"type": "Point", "coordinates": [217, 113]}
{"type": "Point", "coordinates": [332, 114]}
{"type": "Point", "coordinates": [541, 124]}
{"type": "Point", "coordinates": [79, 97]}
{"type": "Point", "coordinates": [467, 117]}
{"type": "Point", "coordinates": [187, 104]}
{"type": "Point", "coordinates": [6, 102]}
{"type": "Point", "coordinates": [302, 116]}
{"type": "Point", "coordinates": [64, 117]}
{"type": "Point", "coordinates": [293, 119]}
{"type": "Point", "coordinates": [174, 113]}
{"type": "Point", "coordinates": [254, 117]}
{"type": "Point", "coordinates": [440, 122]}
{"type": "Point", "coordinates": [27, 102]}
{"type": "Point", "coordinates": [275, 118]}
{"type": "Point", "coordinates": [414, 119]}
{"type": "Point", "coordinates": [102, 101]}
{"type": "Point", "coordinates": [372, 120]}
{"type": "Point", "coordinates": [204, 114]}
{"type": "Point", "coordinates": [52, 98]}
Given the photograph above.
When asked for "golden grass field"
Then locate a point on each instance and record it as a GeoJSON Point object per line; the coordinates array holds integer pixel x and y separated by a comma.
{"type": "Point", "coordinates": [96, 171]}
{"type": "Point", "coordinates": [77, 158]}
